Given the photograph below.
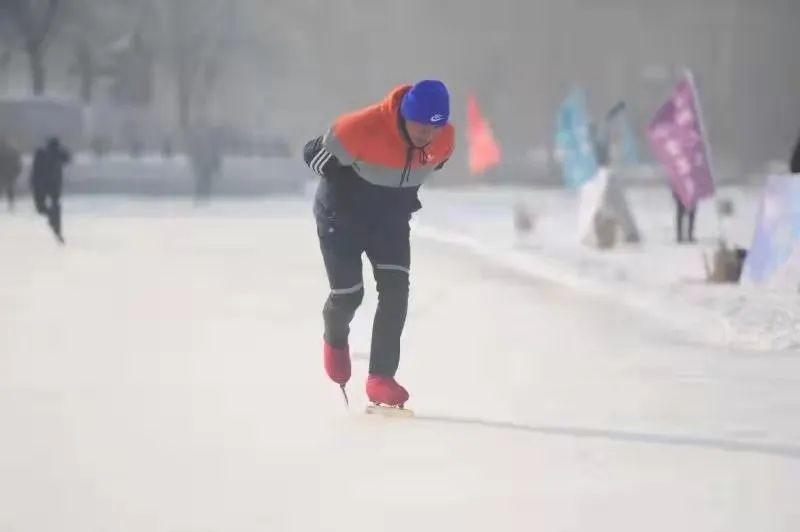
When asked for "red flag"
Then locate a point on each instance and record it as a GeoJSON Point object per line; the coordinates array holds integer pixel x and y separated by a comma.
{"type": "Point", "coordinates": [483, 149]}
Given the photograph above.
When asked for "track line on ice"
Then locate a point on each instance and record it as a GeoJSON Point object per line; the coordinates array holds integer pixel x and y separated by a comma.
{"type": "Point", "coordinates": [771, 449]}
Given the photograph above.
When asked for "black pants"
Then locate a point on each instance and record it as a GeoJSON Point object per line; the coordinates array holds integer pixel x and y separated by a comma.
{"type": "Point", "coordinates": [8, 186]}
{"type": "Point", "coordinates": [386, 244]}
{"type": "Point", "coordinates": [682, 212]}
{"type": "Point", "coordinates": [48, 203]}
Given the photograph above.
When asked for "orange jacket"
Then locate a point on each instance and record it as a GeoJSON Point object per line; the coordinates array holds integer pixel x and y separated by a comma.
{"type": "Point", "coordinates": [372, 142]}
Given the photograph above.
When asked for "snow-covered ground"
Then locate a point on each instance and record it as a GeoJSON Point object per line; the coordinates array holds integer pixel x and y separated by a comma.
{"type": "Point", "coordinates": [658, 276]}
{"type": "Point", "coordinates": [162, 372]}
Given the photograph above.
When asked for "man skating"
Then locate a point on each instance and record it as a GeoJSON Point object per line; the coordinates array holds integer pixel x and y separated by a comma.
{"type": "Point", "coordinates": [372, 162]}
{"type": "Point", "coordinates": [47, 177]}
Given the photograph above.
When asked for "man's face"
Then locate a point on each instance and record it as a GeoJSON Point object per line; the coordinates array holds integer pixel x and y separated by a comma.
{"type": "Point", "coordinates": [421, 134]}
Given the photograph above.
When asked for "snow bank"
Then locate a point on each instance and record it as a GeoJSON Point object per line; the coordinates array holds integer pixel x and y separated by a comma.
{"type": "Point", "coordinates": [658, 275]}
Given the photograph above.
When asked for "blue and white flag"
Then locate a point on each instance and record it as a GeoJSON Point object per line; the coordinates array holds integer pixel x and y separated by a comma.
{"type": "Point", "coordinates": [629, 147]}
{"type": "Point", "coordinates": [574, 142]}
{"type": "Point", "coordinates": [773, 259]}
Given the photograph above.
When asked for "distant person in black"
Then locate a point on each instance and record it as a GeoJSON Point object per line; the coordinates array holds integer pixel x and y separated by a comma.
{"type": "Point", "coordinates": [10, 168]}
{"type": "Point", "coordinates": [205, 154]}
{"type": "Point", "coordinates": [683, 212]}
{"type": "Point", "coordinates": [794, 164]}
{"type": "Point", "coordinates": [47, 176]}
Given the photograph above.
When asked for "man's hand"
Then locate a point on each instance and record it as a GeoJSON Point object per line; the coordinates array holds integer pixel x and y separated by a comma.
{"type": "Point", "coordinates": [320, 160]}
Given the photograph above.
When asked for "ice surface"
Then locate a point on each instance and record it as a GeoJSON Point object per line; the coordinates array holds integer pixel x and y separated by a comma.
{"type": "Point", "coordinates": [162, 372]}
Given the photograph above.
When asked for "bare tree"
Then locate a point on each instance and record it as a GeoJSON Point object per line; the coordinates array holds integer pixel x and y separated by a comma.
{"type": "Point", "coordinates": [82, 33]}
{"type": "Point", "coordinates": [196, 36]}
{"type": "Point", "coordinates": [6, 42]}
{"type": "Point", "coordinates": [34, 21]}
{"type": "Point", "coordinates": [90, 27]}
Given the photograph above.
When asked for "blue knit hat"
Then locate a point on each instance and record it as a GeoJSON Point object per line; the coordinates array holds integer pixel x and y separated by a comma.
{"type": "Point", "coordinates": [427, 102]}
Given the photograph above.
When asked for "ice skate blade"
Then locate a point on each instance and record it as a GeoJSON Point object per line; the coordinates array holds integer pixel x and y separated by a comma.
{"type": "Point", "coordinates": [389, 411]}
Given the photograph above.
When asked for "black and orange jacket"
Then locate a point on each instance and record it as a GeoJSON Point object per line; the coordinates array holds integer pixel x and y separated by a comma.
{"type": "Point", "coordinates": [369, 165]}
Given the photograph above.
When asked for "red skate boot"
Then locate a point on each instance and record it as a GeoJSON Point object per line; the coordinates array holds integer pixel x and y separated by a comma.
{"type": "Point", "coordinates": [386, 391]}
{"type": "Point", "coordinates": [337, 363]}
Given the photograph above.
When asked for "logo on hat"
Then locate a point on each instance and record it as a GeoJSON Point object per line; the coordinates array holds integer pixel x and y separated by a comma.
{"type": "Point", "coordinates": [437, 118]}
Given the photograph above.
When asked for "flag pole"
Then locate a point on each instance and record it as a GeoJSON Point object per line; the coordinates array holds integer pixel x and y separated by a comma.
{"type": "Point", "coordinates": [704, 134]}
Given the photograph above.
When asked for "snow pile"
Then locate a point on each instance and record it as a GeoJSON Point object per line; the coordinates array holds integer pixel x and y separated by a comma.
{"type": "Point", "coordinates": [658, 275]}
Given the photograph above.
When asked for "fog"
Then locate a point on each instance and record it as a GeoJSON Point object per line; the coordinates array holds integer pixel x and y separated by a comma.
{"type": "Point", "coordinates": [287, 67]}
{"type": "Point", "coordinates": [566, 345]}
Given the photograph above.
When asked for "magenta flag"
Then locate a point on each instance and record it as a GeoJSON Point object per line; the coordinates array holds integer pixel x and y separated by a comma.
{"type": "Point", "coordinates": [676, 137]}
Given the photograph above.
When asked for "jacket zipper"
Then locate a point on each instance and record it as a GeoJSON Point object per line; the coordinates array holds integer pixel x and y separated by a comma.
{"type": "Point", "coordinates": [407, 167]}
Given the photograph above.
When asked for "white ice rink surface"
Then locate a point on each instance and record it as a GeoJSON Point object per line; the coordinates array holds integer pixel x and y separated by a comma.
{"type": "Point", "coordinates": [163, 373]}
